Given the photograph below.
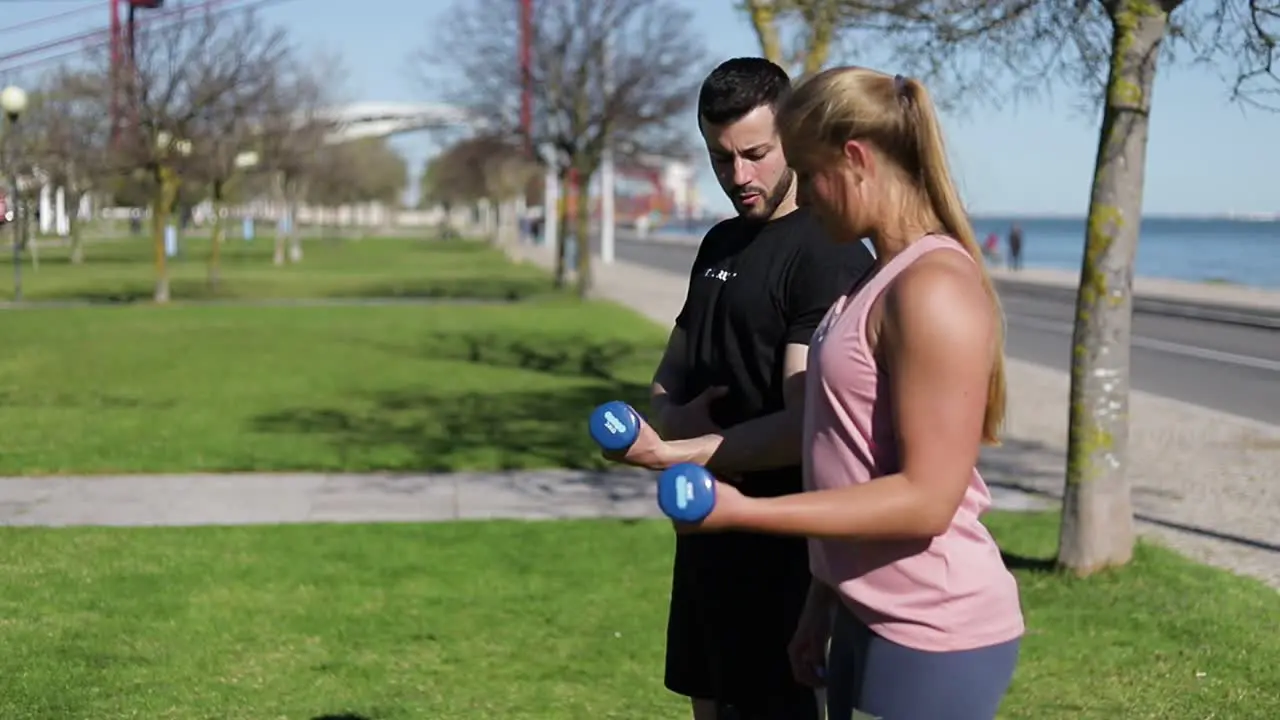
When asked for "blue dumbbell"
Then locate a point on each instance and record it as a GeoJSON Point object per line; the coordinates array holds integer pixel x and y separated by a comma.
{"type": "Point", "coordinates": [686, 492]}
{"type": "Point", "coordinates": [614, 426]}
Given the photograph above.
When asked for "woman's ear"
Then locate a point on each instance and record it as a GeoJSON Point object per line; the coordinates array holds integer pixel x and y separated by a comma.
{"type": "Point", "coordinates": [860, 158]}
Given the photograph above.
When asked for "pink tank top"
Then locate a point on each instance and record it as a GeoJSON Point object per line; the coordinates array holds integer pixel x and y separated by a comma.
{"type": "Point", "coordinates": [952, 592]}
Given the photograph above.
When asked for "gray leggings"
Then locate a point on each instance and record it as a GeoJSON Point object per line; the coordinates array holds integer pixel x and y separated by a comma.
{"type": "Point", "coordinates": [885, 680]}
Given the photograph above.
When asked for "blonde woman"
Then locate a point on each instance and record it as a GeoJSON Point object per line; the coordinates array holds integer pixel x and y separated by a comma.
{"type": "Point", "coordinates": [905, 383]}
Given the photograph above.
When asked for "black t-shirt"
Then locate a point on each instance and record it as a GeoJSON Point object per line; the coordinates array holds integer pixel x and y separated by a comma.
{"type": "Point", "coordinates": [755, 288]}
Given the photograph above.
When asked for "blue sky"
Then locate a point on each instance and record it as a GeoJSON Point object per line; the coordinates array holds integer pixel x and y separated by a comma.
{"type": "Point", "coordinates": [1205, 156]}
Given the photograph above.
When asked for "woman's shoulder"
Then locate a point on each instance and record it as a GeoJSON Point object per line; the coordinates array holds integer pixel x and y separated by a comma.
{"type": "Point", "coordinates": [940, 285]}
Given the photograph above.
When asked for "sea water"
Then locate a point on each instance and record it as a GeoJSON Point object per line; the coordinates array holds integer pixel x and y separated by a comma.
{"type": "Point", "coordinates": [1243, 252]}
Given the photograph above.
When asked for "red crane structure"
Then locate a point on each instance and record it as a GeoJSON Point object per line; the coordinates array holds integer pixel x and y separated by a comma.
{"type": "Point", "coordinates": [123, 51]}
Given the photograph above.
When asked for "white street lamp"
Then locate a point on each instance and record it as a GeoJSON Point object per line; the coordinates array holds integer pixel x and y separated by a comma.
{"type": "Point", "coordinates": [13, 100]}
{"type": "Point", "coordinates": [246, 160]}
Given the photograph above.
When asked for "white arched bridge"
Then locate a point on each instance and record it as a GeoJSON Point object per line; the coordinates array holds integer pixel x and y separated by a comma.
{"type": "Point", "coordinates": [382, 119]}
{"type": "Point", "coordinates": [670, 178]}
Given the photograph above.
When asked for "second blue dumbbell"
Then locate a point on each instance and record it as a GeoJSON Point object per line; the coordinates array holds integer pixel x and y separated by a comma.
{"type": "Point", "coordinates": [614, 426]}
{"type": "Point", "coordinates": [687, 492]}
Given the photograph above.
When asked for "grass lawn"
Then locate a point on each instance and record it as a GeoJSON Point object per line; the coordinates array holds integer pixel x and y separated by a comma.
{"type": "Point", "coordinates": [122, 271]}
{"type": "Point", "coordinates": [427, 387]}
{"type": "Point", "coordinates": [217, 387]}
{"type": "Point", "coordinates": [530, 620]}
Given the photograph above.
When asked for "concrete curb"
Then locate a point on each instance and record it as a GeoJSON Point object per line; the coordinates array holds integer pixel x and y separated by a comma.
{"type": "Point", "coordinates": [1145, 301]}
{"type": "Point", "coordinates": [1151, 304]}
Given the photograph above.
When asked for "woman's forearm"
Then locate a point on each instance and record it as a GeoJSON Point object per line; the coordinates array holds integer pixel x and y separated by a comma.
{"type": "Point", "coordinates": [887, 508]}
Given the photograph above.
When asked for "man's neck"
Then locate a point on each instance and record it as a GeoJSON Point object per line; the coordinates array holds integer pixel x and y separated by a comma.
{"type": "Point", "coordinates": [787, 206]}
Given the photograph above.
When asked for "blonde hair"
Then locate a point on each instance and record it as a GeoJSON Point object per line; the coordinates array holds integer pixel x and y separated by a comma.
{"type": "Point", "coordinates": [896, 115]}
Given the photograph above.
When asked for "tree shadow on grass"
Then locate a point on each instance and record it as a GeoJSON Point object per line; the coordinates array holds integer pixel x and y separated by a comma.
{"type": "Point", "coordinates": [438, 430]}
{"type": "Point", "coordinates": [142, 290]}
{"type": "Point", "coordinates": [493, 288]}
{"type": "Point", "coordinates": [564, 356]}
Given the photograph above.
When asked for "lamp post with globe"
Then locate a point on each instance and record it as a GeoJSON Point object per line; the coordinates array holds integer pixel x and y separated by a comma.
{"type": "Point", "coordinates": [13, 101]}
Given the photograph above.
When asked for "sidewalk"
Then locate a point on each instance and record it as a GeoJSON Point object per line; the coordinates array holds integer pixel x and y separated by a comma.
{"type": "Point", "coordinates": [250, 499]}
{"type": "Point", "coordinates": [1205, 483]}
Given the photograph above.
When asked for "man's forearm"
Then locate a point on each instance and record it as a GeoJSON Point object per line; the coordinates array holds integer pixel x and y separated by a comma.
{"type": "Point", "coordinates": [767, 442]}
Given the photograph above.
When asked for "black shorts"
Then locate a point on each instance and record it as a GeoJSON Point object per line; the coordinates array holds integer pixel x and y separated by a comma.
{"type": "Point", "coordinates": [735, 602]}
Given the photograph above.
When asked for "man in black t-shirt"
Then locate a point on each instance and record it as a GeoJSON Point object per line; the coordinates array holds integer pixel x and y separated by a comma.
{"type": "Point", "coordinates": [728, 395]}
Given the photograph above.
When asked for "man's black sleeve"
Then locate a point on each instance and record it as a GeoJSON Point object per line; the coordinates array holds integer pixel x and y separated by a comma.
{"type": "Point", "coordinates": [823, 271]}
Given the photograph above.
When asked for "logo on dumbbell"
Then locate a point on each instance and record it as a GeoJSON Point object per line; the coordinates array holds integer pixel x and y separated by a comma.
{"type": "Point", "coordinates": [684, 492]}
{"type": "Point", "coordinates": [612, 422]}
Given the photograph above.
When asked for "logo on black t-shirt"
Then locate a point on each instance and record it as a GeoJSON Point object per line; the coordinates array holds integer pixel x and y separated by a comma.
{"type": "Point", "coordinates": [721, 275]}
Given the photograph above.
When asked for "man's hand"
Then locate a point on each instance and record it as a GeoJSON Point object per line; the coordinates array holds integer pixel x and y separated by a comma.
{"type": "Point", "coordinates": [693, 419]}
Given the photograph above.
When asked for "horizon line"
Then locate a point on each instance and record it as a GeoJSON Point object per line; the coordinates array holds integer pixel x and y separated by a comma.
{"type": "Point", "coordinates": [1243, 217]}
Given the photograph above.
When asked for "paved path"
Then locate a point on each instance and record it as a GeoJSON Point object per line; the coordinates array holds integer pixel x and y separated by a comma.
{"type": "Point", "coordinates": [1235, 366]}
{"type": "Point", "coordinates": [246, 499]}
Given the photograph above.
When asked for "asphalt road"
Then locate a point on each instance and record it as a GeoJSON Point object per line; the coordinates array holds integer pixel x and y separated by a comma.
{"type": "Point", "coordinates": [1226, 367]}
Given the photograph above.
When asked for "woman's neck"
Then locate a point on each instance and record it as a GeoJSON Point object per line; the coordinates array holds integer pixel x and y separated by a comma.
{"type": "Point", "coordinates": [911, 218]}
{"type": "Point", "coordinates": [890, 244]}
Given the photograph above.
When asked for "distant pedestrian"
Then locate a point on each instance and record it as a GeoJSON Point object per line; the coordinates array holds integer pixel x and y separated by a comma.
{"type": "Point", "coordinates": [1015, 247]}
{"type": "Point", "coordinates": [991, 248]}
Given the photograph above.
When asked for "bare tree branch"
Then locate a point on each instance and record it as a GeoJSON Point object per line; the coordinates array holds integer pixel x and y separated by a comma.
{"type": "Point", "coordinates": [604, 71]}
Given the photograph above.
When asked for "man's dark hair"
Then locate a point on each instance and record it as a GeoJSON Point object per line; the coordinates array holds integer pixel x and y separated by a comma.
{"type": "Point", "coordinates": [738, 86]}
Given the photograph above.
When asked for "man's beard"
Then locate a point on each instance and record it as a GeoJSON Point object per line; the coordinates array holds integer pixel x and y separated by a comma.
{"type": "Point", "coordinates": [775, 198]}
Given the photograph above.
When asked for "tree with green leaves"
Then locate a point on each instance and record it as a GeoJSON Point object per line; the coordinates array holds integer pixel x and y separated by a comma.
{"type": "Point", "coordinates": [481, 167]}
{"type": "Point", "coordinates": [367, 170]}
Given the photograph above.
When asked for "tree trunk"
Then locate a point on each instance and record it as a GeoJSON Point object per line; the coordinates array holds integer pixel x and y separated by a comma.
{"type": "Point", "coordinates": [583, 231]}
{"type": "Point", "coordinates": [820, 17]}
{"type": "Point", "coordinates": [166, 194]}
{"type": "Point", "coordinates": [561, 240]}
{"type": "Point", "coordinates": [295, 191]}
{"type": "Point", "coordinates": [30, 240]}
{"type": "Point", "coordinates": [74, 229]}
{"type": "Point", "coordinates": [218, 235]}
{"type": "Point", "coordinates": [1097, 513]}
{"type": "Point", "coordinates": [763, 20]}
{"type": "Point", "coordinates": [277, 257]}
